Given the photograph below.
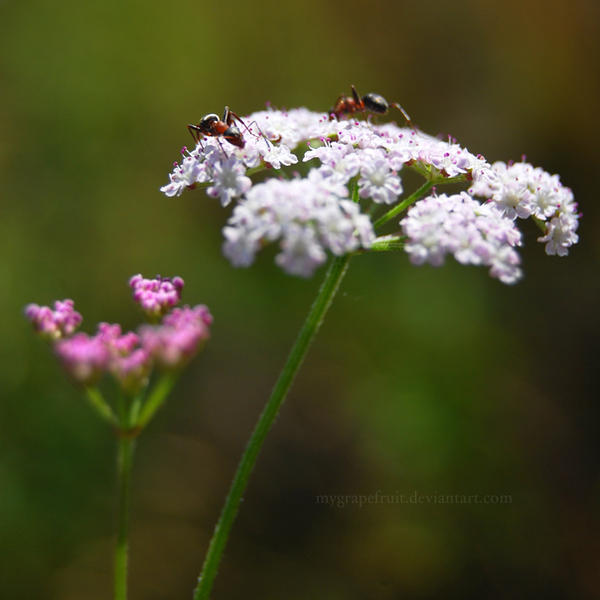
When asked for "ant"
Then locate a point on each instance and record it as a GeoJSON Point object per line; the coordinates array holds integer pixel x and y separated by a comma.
{"type": "Point", "coordinates": [211, 126]}
{"type": "Point", "coordinates": [348, 105]}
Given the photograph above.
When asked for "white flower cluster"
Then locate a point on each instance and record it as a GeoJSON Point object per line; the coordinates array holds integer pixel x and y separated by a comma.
{"type": "Point", "coordinates": [476, 234]}
{"type": "Point", "coordinates": [310, 215]}
{"type": "Point", "coordinates": [522, 191]}
{"type": "Point", "coordinates": [269, 138]}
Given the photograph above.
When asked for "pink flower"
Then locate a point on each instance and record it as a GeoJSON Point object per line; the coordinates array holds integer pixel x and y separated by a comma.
{"type": "Point", "coordinates": [179, 338]}
{"type": "Point", "coordinates": [156, 296]}
{"type": "Point", "coordinates": [132, 370]}
{"type": "Point", "coordinates": [116, 343]}
{"type": "Point", "coordinates": [128, 357]}
{"type": "Point", "coordinates": [85, 358]}
{"type": "Point", "coordinates": [54, 324]}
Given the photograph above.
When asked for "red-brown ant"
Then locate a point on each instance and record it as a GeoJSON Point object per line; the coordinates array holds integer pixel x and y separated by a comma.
{"type": "Point", "coordinates": [211, 126]}
{"type": "Point", "coordinates": [375, 103]}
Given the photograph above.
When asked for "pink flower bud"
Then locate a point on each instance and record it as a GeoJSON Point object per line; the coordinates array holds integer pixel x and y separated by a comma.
{"type": "Point", "coordinates": [85, 358]}
{"type": "Point", "coordinates": [54, 324]}
{"type": "Point", "coordinates": [179, 338]}
{"type": "Point", "coordinates": [156, 296]}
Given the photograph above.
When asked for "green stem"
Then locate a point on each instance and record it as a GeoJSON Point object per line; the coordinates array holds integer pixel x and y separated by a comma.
{"type": "Point", "coordinates": [433, 181]}
{"type": "Point", "coordinates": [387, 243]}
{"type": "Point", "coordinates": [100, 405]}
{"type": "Point", "coordinates": [542, 225]}
{"type": "Point", "coordinates": [390, 214]}
{"type": "Point", "coordinates": [124, 463]}
{"type": "Point", "coordinates": [159, 394]}
{"type": "Point", "coordinates": [307, 333]}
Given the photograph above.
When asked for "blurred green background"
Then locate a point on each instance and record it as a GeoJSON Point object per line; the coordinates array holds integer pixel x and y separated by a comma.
{"type": "Point", "coordinates": [435, 381]}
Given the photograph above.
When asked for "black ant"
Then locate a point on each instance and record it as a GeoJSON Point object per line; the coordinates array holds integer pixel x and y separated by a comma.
{"type": "Point", "coordinates": [348, 105]}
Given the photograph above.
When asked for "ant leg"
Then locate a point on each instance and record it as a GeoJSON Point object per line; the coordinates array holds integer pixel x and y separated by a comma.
{"type": "Point", "coordinates": [334, 112]}
{"type": "Point", "coordinates": [355, 95]}
{"type": "Point", "coordinates": [229, 117]}
{"type": "Point", "coordinates": [197, 135]}
{"type": "Point", "coordinates": [405, 115]}
{"type": "Point", "coordinates": [233, 116]}
{"type": "Point", "coordinates": [222, 149]}
{"type": "Point", "coordinates": [195, 132]}
{"type": "Point", "coordinates": [269, 143]}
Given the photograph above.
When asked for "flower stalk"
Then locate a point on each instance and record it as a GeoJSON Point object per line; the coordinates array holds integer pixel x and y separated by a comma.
{"type": "Point", "coordinates": [124, 466]}
{"type": "Point", "coordinates": [401, 206]}
{"type": "Point", "coordinates": [100, 405]}
{"type": "Point", "coordinates": [159, 394]}
{"type": "Point", "coordinates": [309, 329]}
{"type": "Point", "coordinates": [130, 359]}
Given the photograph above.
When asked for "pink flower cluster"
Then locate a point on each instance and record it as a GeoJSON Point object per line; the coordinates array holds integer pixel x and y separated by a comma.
{"type": "Point", "coordinates": [128, 357]}
{"type": "Point", "coordinates": [54, 324]}
{"type": "Point", "coordinates": [156, 296]}
{"type": "Point", "coordinates": [178, 338]}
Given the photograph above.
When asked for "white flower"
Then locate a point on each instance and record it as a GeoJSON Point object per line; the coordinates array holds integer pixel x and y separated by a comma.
{"type": "Point", "coordinates": [279, 155]}
{"type": "Point", "coordinates": [339, 161]}
{"type": "Point", "coordinates": [186, 174]}
{"type": "Point", "coordinates": [306, 215]}
{"type": "Point", "coordinates": [229, 180]}
{"type": "Point", "coordinates": [560, 234]}
{"type": "Point", "coordinates": [359, 134]}
{"type": "Point", "coordinates": [378, 181]}
{"type": "Point", "coordinates": [312, 216]}
{"type": "Point", "coordinates": [521, 190]}
{"type": "Point", "coordinates": [240, 246]}
{"type": "Point", "coordinates": [441, 158]}
{"type": "Point", "coordinates": [293, 126]}
{"type": "Point", "coordinates": [475, 234]}
{"type": "Point", "coordinates": [301, 251]}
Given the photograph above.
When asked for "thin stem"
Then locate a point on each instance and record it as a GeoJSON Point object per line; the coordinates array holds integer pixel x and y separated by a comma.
{"type": "Point", "coordinates": [387, 243]}
{"type": "Point", "coordinates": [124, 464]}
{"type": "Point", "coordinates": [136, 406]}
{"type": "Point", "coordinates": [100, 405]}
{"type": "Point", "coordinates": [314, 319]}
{"type": "Point", "coordinates": [156, 399]}
{"type": "Point", "coordinates": [542, 225]}
{"type": "Point", "coordinates": [396, 210]}
{"type": "Point", "coordinates": [390, 214]}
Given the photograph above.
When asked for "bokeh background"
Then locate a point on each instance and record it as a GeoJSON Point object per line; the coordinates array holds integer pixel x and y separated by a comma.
{"type": "Point", "coordinates": [422, 380]}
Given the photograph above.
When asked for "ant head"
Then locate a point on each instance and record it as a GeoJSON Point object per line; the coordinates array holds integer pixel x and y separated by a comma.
{"type": "Point", "coordinates": [207, 122]}
{"type": "Point", "coordinates": [375, 103]}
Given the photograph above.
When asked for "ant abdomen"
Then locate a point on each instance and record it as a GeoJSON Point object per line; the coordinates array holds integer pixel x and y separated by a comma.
{"type": "Point", "coordinates": [234, 136]}
{"type": "Point", "coordinates": [375, 103]}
